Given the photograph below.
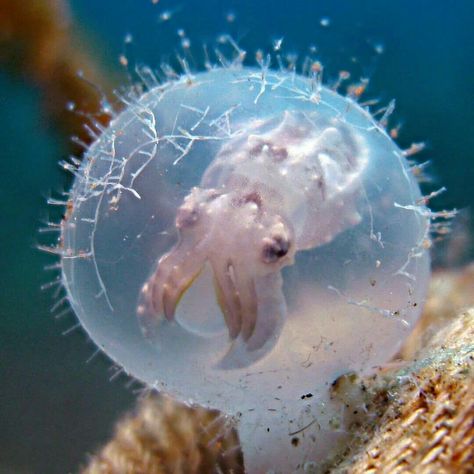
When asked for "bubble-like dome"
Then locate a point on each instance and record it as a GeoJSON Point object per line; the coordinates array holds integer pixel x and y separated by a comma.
{"type": "Point", "coordinates": [240, 238]}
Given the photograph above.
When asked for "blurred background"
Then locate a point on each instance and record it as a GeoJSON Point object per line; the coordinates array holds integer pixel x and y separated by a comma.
{"type": "Point", "coordinates": [57, 403]}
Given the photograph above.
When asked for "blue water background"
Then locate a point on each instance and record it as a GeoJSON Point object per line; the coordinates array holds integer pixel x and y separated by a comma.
{"type": "Point", "coordinates": [54, 408]}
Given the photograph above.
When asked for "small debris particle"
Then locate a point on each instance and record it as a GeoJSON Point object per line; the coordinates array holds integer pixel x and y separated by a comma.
{"type": "Point", "coordinates": [426, 244]}
{"type": "Point", "coordinates": [295, 441]}
{"type": "Point", "coordinates": [334, 423]}
{"type": "Point", "coordinates": [325, 21]}
{"type": "Point", "coordinates": [379, 48]}
{"type": "Point", "coordinates": [165, 16]}
{"type": "Point", "coordinates": [395, 132]}
{"type": "Point", "coordinates": [277, 44]}
{"type": "Point", "coordinates": [344, 75]}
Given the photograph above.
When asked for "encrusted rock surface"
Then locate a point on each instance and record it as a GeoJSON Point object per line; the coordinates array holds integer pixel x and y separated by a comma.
{"type": "Point", "coordinates": [419, 419]}
{"type": "Point", "coordinates": [163, 436]}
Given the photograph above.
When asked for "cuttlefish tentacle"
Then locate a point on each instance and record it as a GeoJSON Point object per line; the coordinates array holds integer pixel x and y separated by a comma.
{"type": "Point", "coordinates": [248, 300]}
{"type": "Point", "coordinates": [271, 310]}
{"type": "Point", "coordinates": [271, 316]}
{"type": "Point", "coordinates": [227, 298]}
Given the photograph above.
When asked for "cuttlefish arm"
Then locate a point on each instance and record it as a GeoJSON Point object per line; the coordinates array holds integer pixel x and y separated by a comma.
{"type": "Point", "coordinates": [177, 269]}
{"type": "Point", "coordinates": [175, 273]}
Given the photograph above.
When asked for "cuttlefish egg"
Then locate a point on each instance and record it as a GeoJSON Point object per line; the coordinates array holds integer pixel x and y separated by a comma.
{"type": "Point", "coordinates": [239, 239]}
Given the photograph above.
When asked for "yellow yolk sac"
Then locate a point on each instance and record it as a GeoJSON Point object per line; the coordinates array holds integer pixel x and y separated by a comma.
{"type": "Point", "coordinates": [241, 237]}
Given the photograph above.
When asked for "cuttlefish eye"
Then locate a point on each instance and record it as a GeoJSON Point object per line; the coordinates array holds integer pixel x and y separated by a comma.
{"type": "Point", "coordinates": [254, 198]}
{"type": "Point", "coordinates": [187, 216]}
{"type": "Point", "coordinates": [190, 212]}
{"type": "Point", "coordinates": [275, 248]}
{"type": "Point", "coordinates": [259, 146]}
{"type": "Point", "coordinates": [279, 153]}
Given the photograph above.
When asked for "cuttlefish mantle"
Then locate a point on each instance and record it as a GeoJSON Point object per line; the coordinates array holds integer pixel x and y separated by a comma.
{"type": "Point", "coordinates": [283, 185]}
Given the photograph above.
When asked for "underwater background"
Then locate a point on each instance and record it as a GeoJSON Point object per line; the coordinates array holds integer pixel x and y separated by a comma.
{"type": "Point", "coordinates": [55, 407]}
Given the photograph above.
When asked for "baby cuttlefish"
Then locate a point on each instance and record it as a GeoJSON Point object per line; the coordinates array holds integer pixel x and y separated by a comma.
{"type": "Point", "coordinates": [284, 184]}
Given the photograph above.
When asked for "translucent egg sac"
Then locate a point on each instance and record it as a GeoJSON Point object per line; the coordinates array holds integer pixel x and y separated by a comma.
{"type": "Point", "coordinates": [240, 238]}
